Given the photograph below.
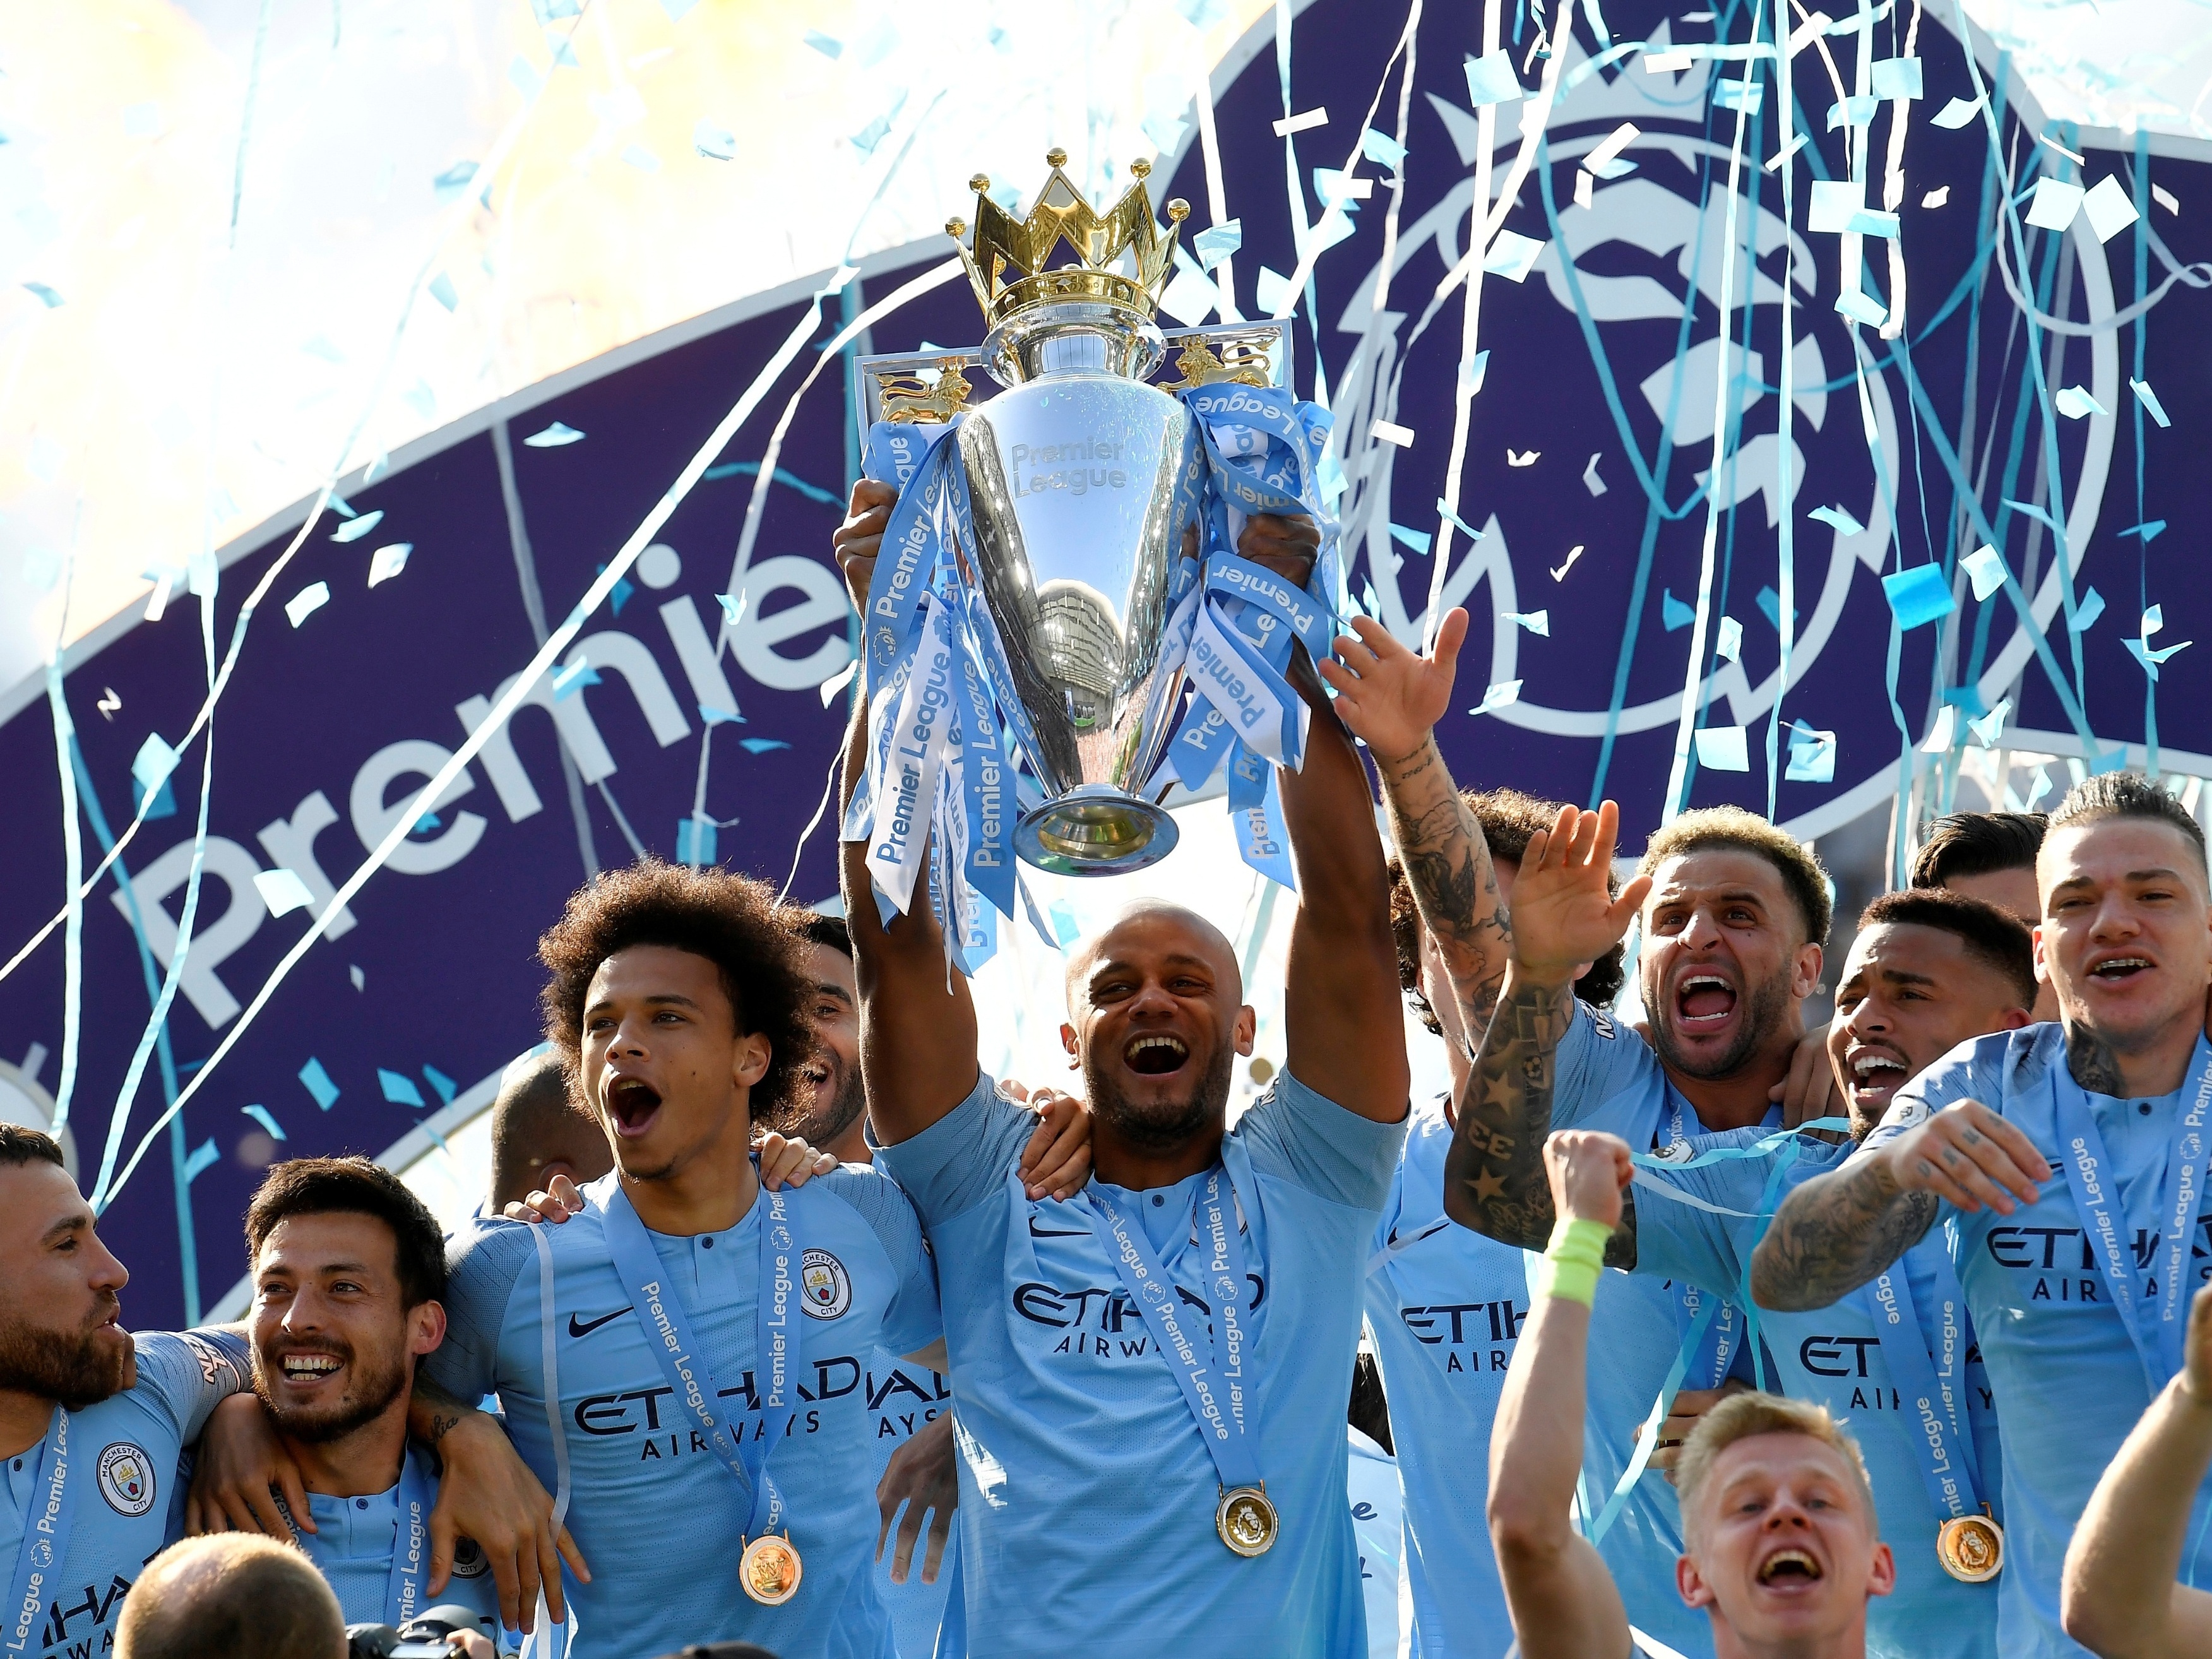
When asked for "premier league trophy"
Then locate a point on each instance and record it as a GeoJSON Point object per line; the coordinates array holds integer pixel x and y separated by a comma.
{"type": "Point", "coordinates": [1037, 583]}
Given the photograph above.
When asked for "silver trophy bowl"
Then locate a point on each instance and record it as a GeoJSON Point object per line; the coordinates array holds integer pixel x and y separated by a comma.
{"type": "Point", "coordinates": [1070, 474]}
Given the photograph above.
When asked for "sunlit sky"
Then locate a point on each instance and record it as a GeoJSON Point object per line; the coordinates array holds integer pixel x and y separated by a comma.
{"type": "Point", "coordinates": [242, 244]}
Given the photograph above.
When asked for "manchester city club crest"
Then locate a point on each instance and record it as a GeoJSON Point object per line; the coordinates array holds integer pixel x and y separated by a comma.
{"type": "Point", "coordinates": [126, 1479]}
{"type": "Point", "coordinates": [827, 1287]}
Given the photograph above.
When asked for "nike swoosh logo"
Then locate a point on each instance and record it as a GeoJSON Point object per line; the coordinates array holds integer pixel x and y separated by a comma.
{"type": "Point", "coordinates": [582, 1329]}
{"type": "Point", "coordinates": [1037, 1232]}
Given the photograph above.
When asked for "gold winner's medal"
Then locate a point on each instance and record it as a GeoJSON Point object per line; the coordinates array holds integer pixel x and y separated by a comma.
{"type": "Point", "coordinates": [1247, 1520]}
{"type": "Point", "coordinates": [1971, 1548]}
{"type": "Point", "coordinates": [770, 1568]}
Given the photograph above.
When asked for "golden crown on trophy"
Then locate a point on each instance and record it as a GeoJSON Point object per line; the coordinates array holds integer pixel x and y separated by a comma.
{"type": "Point", "coordinates": [1007, 261]}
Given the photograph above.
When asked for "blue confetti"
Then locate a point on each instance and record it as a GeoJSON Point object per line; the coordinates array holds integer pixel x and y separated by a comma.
{"type": "Point", "coordinates": [398, 1088]}
{"type": "Point", "coordinates": [202, 1156]}
{"type": "Point", "coordinates": [442, 290]}
{"type": "Point", "coordinates": [319, 1084]}
{"type": "Point", "coordinates": [1769, 606]}
{"type": "Point", "coordinates": [570, 679]}
{"type": "Point", "coordinates": [1919, 595]}
{"type": "Point", "coordinates": [165, 800]}
{"type": "Point", "coordinates": [695, 841]}
{"type": "Point", "coordinates": [446, 1086]}
{"type": "Point", "coordinates": [624, 588]}
{"type": "Point", "coordinates": [1419, 540]}
{"type": "Point", "coordinates": [827, 46]}
{"type": "Point", "coordinates": [46, 296]}
{"type": "Point", "coordinates": [2086, 610]}
{"type": "Point", "coordinates": [716, 143]}
{"type": "Point", "coordinates": [2148, 400]}
{"type": "Point", "coordinates": [1673, 611]}
{"type": "Point", "coordinates": [554, 436]}
{"type": "Point", "coordinates": [355, 528]}
{"type": "Point", "coordinates": [711, 715]}
{"type": "Point", "coordinates": [1844, 524]}
{"type": "Point", "coordinates": [261, 1115]}
{"type": "Point", "coordinates": [762, 745]}
{"type": "Point", "coordinates": [1381, 149]}
{"type": "Point", "coordinates": [454, 180]}
{"type": "Point", "coordinates": [2148, 530]}
{"type": "Point", "coordinates": [156, 761]}
{"type": "Point", "coordinates": [1219, 242]}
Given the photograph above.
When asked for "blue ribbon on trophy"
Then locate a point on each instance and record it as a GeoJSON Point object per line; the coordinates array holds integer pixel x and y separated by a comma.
{"type": "Point", "coordinates": [1039, 652]}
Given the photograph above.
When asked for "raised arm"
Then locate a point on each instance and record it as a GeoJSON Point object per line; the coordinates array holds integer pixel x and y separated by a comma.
{"type": "Point", "coordinates": [1839, 1230]}
{"type": "Point", "coordinates": [1340, 1014]}
{"type": "Point", "coordinates": [1392, 699]}
{"type": "Point", "coordinates": [917, 1022]}
{"type": "Point", "coordinates": [1564, 1602]}
{"type": "Point", "coordinates": [2121, 1600]}
{"type": "Point", "coordinates": [1563, 917]}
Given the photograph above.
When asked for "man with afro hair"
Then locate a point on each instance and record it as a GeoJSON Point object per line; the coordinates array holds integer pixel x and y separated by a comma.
{"type": "Point", "coordinates": [689, 1351]}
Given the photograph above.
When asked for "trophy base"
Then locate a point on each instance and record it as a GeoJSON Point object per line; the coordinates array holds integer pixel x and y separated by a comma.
{"type": "Point", "coordinates": [1095, 829]}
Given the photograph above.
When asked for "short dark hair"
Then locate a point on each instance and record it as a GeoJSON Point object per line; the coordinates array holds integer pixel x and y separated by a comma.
{"type": "Point", "coordinates": [731, 920]}
{"type": "Point", "coordinates": [1995, 938]}
{"type": "Point", "coordinates": [355, 1186]}
{"type": "Point", "coordinates": [1801, 873]}
{"type": "Point", "coordinates": [19, 1145]}
{"type": "Point", "coordinates": [1508, 818]}
{"type": "Point", "coordinates": [2127, 795]}
{"type": "Point", "coordinates": [815, 929]}
{"type": "Point", "coordinates": [1976, 844]}
{"type": "Point", "coordinates": [536, 1116]}
{"type": "Point", "coordinates": [231, 1594]}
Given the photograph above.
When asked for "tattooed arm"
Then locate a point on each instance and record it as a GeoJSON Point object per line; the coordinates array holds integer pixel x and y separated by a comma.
{"type": "Point", "coordinates": [1563, 917]}
{"type": "Point", "coordinates": [1392, 700]}
{"type": "Point", "coordinates": [1839, 1230]}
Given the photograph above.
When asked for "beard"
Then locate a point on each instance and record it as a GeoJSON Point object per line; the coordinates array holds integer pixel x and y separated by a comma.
{"type": "Point", "coordinates": [73, 1368]}
{"type": "Point", "coordinates": [1765, 1006]}
{"type": "Point", "coordinates": [823, 1123]}
{"type": "Point", "coordinates": [369, 1396]}
{"type": "Point", "coordinates": [1161, 1126]}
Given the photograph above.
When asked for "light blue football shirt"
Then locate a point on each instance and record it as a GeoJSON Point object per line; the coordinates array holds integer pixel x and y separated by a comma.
{"type": "Point", "coordinates": [654, 1511]}
{"type": "Point", "coordinates": [1446, 1305]}
{"type": "Point", "coordinates": [1834, 1357]}
{"type": "Point", "coordinates": [904, 1398]}
{"type": "Point", "coordinates": [125, 1453]}
{"type": "Point", "coordinates": [1087, 1498]}
{"type": "Point", "coordinates": [1608, 1078]}
{"type": "Point", "coordinates": [352, 1547]}
{"type": "Point", "coordinates": [2068, 1383]}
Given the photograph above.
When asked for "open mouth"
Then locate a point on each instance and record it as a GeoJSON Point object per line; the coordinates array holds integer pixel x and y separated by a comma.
{"type": "Point", "coordinates": [1876, 1071]}
{"type": "Point", "coordinates": [632, 1102]}
{"type": "Point", "coordinates": [1788, 1567]}
{"type": "Point", "coordinates": [1156, 1053]}
{"type": "Point", "coordinates": [2113, 969]}
{"type": "Point", "coordinates": [1704, 1001]}
{"type": "Point", "coordinates": [309, 1368]}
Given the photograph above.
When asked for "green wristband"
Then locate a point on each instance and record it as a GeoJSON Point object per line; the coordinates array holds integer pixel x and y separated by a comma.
{"type": "Point", "coordinates": [1569, 1264]}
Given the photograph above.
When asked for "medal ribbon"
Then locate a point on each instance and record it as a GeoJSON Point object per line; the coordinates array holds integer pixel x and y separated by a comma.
{"type": "Point", "coordinates": [410, 1550]}
{"type": "Point", "coordinates": [1942, 1437]}
{"type": "Point", "coordinates": [45, 1549]}
{"type": "Point", "coordinates": [668, 1334]}
{"type": "Point", "coordinates": [1782, 1148]}
{"type": "Point", "coordinates": [1221, 1421]}
{"type": "Point", "coordinates": [2089, 1173]}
